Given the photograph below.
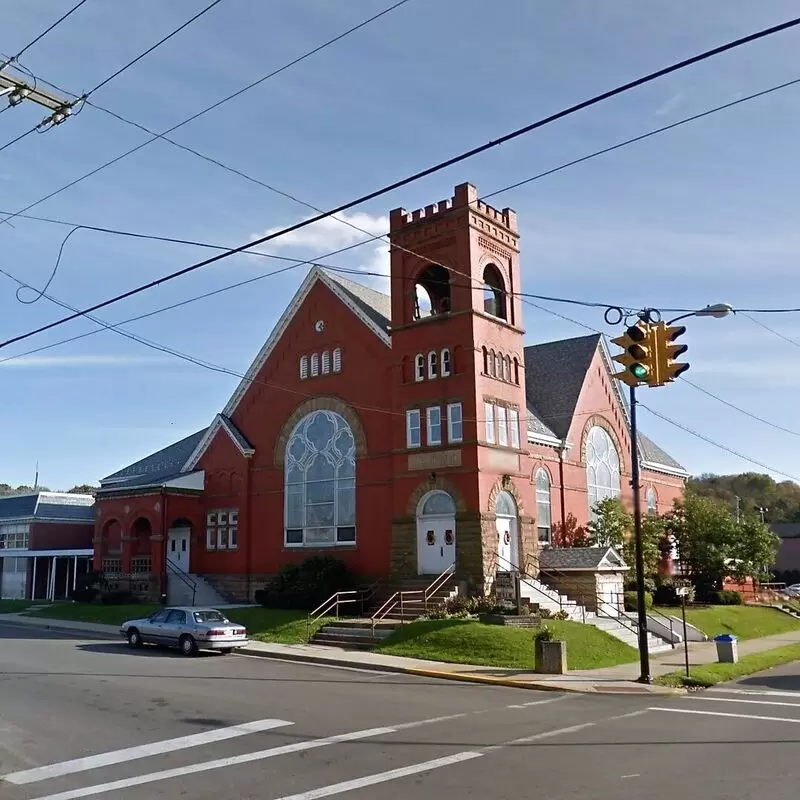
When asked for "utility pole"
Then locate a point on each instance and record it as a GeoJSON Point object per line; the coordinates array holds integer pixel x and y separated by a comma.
{"type": "Point", "coordinates": [644, 653]}
{"type": "Point", "coordinates": [762, 511]}
{"type": "Point", "coordinates": [18, 89]}
{"type": "Point", "coordinates": [738, 508]}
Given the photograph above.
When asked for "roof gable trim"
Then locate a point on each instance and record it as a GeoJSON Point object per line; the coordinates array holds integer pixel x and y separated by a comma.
{"type": "Point", "coordinates": [314, 275]}
{"type": "Point", "coordinates": [220, 422]}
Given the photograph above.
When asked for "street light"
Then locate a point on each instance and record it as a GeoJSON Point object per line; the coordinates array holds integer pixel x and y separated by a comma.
{"type": "Point", "coordinates": [717, 311]}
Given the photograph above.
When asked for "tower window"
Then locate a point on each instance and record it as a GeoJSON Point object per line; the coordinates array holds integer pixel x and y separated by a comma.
{"type": "Point", "coordinates": [492, 363]}
{"type": "Point", "coordinates": [303, 367]}
{"type": "Point", "coordinates": [485, 361]}
{"type": "Point", "coordinates": [315, 365]}
{"type": "Point", "coordinates": [419, 367]}
{"type": "Point", "coordinates": [433, 364]}
{"type": "Point", "coordinates": [446, 366]}
{"type": "Point", "coordinates": [337, 359]}
{"type": "Point", "coordinates": [498, 366]}
{"type": "Point", "coordinates": [507, 369]}
{"type": "Point", "coordinates": [432, 292]}
{"type": "Point", "coordinates": [516, 371]}
{"type": "Point", "coordinates": [494, 293]}
{"type": "Point", "coordinates": [326, 362]}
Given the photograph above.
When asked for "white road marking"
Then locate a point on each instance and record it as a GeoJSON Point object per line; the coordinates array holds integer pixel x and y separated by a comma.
{"type": "Point", "coordinates": [219, 763]}
{"type": "Point", "coordinates": [141, 751]}
{"type": "Point", "coordinates": [741, 700]}
{"type": "Point", "coordinates": [763, 693]}
{"type": "Point", "coordinates": [724, 714]}
{"type": "Point", "coordinates": [383, 777]}
{"type": "Point", "coordinates": [633, 775]}
{"type": "Point", "coordinates": [538, 702]}
{"type": "Point", "coordinates": [537, 736]}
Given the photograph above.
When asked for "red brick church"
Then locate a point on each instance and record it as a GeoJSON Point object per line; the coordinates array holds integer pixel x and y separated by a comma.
{"type": "Point", "coordinates": [402, 434]}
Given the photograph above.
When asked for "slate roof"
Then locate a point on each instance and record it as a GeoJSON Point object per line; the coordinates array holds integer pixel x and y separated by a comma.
{"type": "Point", "coordinates": [554, 376]}
{"type": "Point", "coordinates": [156, 468]}
{"type": "Point", "coordinates": [651, 452]}
{"type": "Point", "coordinates": [376, 305]}
{"type": "Point", "coordinates": [48, 506]}
{"type": "Point", "coordinates": [552, 559]}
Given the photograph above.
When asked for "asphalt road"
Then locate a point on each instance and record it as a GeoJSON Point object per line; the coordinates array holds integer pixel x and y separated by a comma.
{"type": "Point", "coordinates": [85, 718]}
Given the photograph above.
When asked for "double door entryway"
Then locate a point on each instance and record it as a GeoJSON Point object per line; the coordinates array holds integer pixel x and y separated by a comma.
{"type": "Point", "coordinates": [436, 533]}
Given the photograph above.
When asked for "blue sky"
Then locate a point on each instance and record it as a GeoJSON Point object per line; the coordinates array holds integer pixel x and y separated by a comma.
{"type": "Point", "coordinates": [702, 214]}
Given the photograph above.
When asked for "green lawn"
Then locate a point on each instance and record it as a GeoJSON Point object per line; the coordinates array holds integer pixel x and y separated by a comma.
{"type": "Point", "coordinates": [744, 622]}
{"type": "Point", "coordinates": [263, 624]}
{"type": "Point", "coordinates": [466, 642]}
{"type": "Point", "coordinates": [13, 606]}
{"type": "Point", "coordinates": [711, 674]}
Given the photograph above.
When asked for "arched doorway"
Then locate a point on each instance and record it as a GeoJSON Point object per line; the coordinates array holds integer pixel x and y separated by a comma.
{"type": "Point", "coordinates": [436, 533]}
{"type": "Point", "coordinates": [505, 510]}
{"type": "Point", "coordinates": [179, 540]}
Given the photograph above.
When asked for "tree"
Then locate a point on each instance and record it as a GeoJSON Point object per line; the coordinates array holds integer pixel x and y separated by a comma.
{"type": "Point", "coordinates": [653, 536]}
{"type": "Point", "coordinates": [83, 488]}
{"type": "Point", "coordinates": [570, 534]}
{"type": "Point", "coordinates": [754, 552]}
{"type": "Point", "coordinates": [611, 526]}
{"type": "Point", "coordinates": [754, 490]}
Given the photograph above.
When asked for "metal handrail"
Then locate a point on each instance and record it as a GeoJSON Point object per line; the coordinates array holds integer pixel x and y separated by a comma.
{"type": "Point", "coordinates": [335, 601]}
{"type": "Point", "coordinates": [653, 612]}
{"type": "Point", "coordinates": [184, 578]}
{"type": "Point", "coordinates": [399, 598]}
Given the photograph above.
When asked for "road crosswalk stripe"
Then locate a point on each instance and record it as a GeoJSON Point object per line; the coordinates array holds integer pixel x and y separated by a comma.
{"type": "Point", "coordinates": [741, 700]}
{"type": "Point", "coordinates": [141, 751]}
{"type": "Point", "coordinates": [763, 693]}
{"type": "Point", "coordinates": [723, 714]}
{"type": "Point", "coordinates": [383, 777]}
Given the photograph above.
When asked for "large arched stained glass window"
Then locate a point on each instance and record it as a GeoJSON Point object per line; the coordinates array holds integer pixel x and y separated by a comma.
{"type": "Point", "coordinates": [320, 475]}
{"type": "Point", "coordinates": [602, 467]}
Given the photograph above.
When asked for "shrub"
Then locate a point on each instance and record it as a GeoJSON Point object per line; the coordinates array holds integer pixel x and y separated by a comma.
{"type": "Point", "coordinates": [727, 598]}
{"type": "Point", "coordinates": [117, 598]}
{"type": "Point", "coordinates": [306, 586]}
{"type": "Point", "coordinates": [666, 595]}
{"type": "Point", "coordinates": [86, 595]}
{"type": "Point", "coordinates": [562, 615]}
{"type": "Point", "coordinates": [631, 601]}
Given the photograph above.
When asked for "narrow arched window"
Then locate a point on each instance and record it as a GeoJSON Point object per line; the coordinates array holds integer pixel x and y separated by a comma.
{"type": "Point", "coordinates": [314, 365]}
{"type": "Point", "coordinates": [433, 364]}
{"type": "Point", "coordinates": [602, 467]}
{"type": "Point", "coordinates": [337, 359]}
{"type": "Point", "coordinates": [303, 367]}
{"type": "Point", "coordinates": [446, 365]}
{"type": "Point", "coordinates": [485, 361]}
{"type": "Point", "coordinates": [419, 367]}
{"type": "Point", "coordinates": [544, 517]}
{"type": "Point", "coordinates": [326, 362]}
{"type": "Point", "coordinates": [494, 292]}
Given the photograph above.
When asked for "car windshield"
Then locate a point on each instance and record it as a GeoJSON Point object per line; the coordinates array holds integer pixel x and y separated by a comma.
{"type": "Point", "coordinates": [209, 616]}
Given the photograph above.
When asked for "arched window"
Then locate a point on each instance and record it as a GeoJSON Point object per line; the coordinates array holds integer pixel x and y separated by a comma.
{"type": "Point", "coordinates": [419, 367]}
{"type": "Point", "coordinates": [507, 369]}
{"type": "Point", "coordinates": [326, 362]}
{"type": "Point", "coordinates": [445, 362]}
{"type": "Point", "coordinates": [303, 367]}
{"type": "Point", "coordinates": [320, 482]}
{"type": "Point", "coordinates": [652, 502]}
{"type": "Point", "coordinates": [516, 371]}
{"type": "Point", "coordinates": [337, 359]}
{"type": "Point", "coordinates": [498, 366]}
{"type": "Point", "coordinates": [494, 292]}
{"type": "Point", "coordinates": [492, 364]}
{"type": "Point", "coordinates": [432, 292]}
{"type": "Point", "coordinates": [433, 364]}
{"type": "Point", "coordinates": [437, 504]}
{"type": "Point", "coordinates": [602, 467]}
{"type": "Point", "coordinates": [314, 365]}
{"type": "Point", "coordinates": [505, 506]}
{"type": "Point", "coordinates": [544, 517]}
{"type": "Point", "coordinates": [485, 361]}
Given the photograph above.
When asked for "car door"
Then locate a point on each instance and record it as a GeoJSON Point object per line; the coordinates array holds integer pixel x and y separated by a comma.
{"type": "Point", "coordinates": [150, 629]}
{"type": "Point", "coordinates": [174, 627]}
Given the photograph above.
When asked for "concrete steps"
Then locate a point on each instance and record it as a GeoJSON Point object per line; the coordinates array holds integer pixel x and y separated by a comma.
{"type": "Point", "coordinates": [626, 631]}
{"type": "Point", "coordinates": [352, 634]}
{"type": "Point", "coordinates": [195, 590]}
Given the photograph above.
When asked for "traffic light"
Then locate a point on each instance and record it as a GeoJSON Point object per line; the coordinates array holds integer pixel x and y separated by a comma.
{"type": "Point", "coordinates": [637, 356]}
{"type": "Point", "coordinates": [666, 352]}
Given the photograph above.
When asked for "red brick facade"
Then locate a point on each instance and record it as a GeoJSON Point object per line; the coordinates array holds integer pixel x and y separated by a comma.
{"type": "Point", "coordinates": [378, 345]}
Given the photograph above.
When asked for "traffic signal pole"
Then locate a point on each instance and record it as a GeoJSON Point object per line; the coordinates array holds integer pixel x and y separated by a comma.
{"type": "Point", "coordinates": [644, 654]}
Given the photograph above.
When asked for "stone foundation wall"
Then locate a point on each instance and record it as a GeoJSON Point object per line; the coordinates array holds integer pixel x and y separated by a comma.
{"type": "Point", "coordinates": [236, 588]}
{"type": "Point", "coordinates": [578, 586]}
{"type": "Point", "coordinates": [404, 547]}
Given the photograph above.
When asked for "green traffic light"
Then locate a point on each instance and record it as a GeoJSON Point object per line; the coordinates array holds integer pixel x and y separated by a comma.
{"type": "Point", "coordinates": [640, 371]}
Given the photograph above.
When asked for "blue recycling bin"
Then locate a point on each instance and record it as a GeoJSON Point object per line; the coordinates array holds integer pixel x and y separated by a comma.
{"type": "Point", "coordinates": [727, 648]}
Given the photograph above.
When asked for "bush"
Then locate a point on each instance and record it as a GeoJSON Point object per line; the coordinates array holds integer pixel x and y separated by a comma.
{"type": "Point", "coordinates": [117, 598]}
{"type": "Point", "coordinates": [306, 586]}
{"type": "Point", "coordinates": [665, 595]}
{"type": "Point", "coordinates": [631, 601]}
{"type": "Point", "coordinates": [86, 595]}
{"type": "Point", "coordinates": [727, 598]}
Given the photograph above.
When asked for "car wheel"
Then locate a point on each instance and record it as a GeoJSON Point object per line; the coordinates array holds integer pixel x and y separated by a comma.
{"type": "Point", "coordinates": [134, 638]}
{"type": "Point", "coordinates": [226, 651]}
{"type": "Point", "coordinates": [188, 646]}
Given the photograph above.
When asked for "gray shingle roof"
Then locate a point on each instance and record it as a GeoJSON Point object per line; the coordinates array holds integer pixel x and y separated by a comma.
{"type": "Point", "coordinates": [651, 452]}
{"type": "Point", "coordinates": [18, 506]}
{"type": "Point", "coordinates": [554, 376]}
{"type": "Point", "coordinates": [155, 468]}
{"type": "Point", "coordinates": [60, 511]}
{"type": "Point", "coordinates": [570, 558]}
{"type": "Point", "coordinates": [235, 433]}
{"type": "Point", "coordinates": [48, 505]}
{"type": "Point", "coordinates": [376, 305]}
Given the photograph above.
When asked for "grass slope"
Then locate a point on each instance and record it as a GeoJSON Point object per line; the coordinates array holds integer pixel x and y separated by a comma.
{"type": "Point", "coordinates": [263, 624]}
{"type": "Point", "coordinates": [711, 674]}
{"type": "Point", "coordinates": [466, 642]}
{"type": "Point", "coordinates": [744, 622]}
{"type": "Point", "coordinates": [13, 606]}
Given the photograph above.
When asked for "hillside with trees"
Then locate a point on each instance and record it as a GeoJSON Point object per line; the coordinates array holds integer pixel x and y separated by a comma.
{"type": "Point", "coordinates": [7, 489]}
{"type": "Point", "coordinates": [754, 491]}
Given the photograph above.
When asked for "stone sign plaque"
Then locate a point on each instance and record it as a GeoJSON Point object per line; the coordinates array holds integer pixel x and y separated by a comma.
{"type": "Point", "coordinates": [434, 460]}
{"type": "Point", "coordinates": [504, 461]}
{"type": "Point", "coordinates": [504, 589]}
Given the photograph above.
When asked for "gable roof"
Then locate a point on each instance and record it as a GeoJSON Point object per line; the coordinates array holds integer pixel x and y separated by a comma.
{"type": "Point", "coordinates": [554, 376]}
{"type": "Point", "coordinates": [236, 436]}
{"type": "Point", "coordinates": [580, 558]}
{"type": "Point", "coordinates": [652, 454]}
{"type": "Point", "coordinates": [369, 306]}
{"type": "Point", "coordinates": [155, 468]}
{"type": "Point", "coordinates": [48, 506]}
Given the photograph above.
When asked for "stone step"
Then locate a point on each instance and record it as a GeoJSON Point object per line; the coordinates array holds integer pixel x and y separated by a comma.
{"type": "Point", "coordinates": [349, 643]}
{"type": "Point", "coordinates": [351, 632]}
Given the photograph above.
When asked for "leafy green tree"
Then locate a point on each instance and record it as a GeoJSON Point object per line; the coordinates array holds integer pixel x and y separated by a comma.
{"type": "Point", "coordinates": [611, 526]}
{"type": "Point", "coordinates": [83, 488]}
{"type": "Point", "coordinates": [570, 534]}
{"type": "Point", "coordinates": [754, 490]}
{"type": "Point", "coordinates": [754, 551]}
{"type": "Point", "coordinates": [653, 535]}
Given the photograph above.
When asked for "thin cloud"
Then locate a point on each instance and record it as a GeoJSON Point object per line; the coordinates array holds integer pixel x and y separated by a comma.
{"type": "Point", "coordinates": [671, 104]}
{"type": "Point", "coordinates": [50, 362]}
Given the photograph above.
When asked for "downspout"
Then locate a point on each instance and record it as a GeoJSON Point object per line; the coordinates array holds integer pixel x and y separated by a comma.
{"type": "Point", "coordinates": [561, 490]}
{"type": "Point", "coordinates": [248, 530]}
{"type": "Point", "coordinates": [163, 576]}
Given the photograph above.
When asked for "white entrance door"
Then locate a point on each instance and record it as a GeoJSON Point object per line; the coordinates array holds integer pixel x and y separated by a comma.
{"type": "Point", "coordinates": [178, 549]}
{"type": "Point", "coordinates": [507, 544]}
{"type": "Point", "coordinates": [436, 544]}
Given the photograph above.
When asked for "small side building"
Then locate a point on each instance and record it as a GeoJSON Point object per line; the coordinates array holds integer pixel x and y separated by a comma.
{"type": "Point", "coordinates": [45, 544]}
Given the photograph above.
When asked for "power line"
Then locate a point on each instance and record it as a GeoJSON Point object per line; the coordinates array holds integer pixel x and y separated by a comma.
{"type": "Point", "coordinates": [41, 36]}
{"type": "Point", "coordinates": [771, 330]}
{"type": "Point", "coordinates": [19, 138]}
{"type": "Point", "coordinates": [418, 175]}
{"type": "Point", "coordinates": [717, 444]}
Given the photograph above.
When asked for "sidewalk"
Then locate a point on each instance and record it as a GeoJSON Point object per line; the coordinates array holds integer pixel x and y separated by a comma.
{"type": "Point", "coordinates": [598, 681]}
